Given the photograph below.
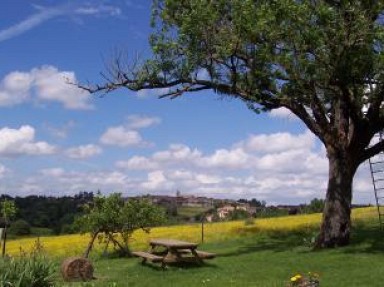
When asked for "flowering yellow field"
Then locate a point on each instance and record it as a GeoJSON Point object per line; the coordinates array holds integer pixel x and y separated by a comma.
{"type": "Point", "coordinates": [71, 245]}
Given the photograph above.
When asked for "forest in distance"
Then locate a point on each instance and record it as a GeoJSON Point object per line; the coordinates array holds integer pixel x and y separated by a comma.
{"type": "Point", "coordinates": [47, 215]}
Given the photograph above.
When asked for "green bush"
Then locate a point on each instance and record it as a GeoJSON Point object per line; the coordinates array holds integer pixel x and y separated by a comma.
{"type": "Point", "coordinates": [20, 227]}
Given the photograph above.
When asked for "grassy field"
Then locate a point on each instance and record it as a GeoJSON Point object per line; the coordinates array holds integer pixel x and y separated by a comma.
{"type": "Point", "coordinates": [266, 253]}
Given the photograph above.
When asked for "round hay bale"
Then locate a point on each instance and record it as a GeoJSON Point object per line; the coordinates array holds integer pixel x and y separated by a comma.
{"type": "Point", "coordinates": [77, 269]}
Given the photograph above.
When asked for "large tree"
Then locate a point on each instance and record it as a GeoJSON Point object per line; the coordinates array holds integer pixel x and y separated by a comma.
{"type": "Point", "coordinates": [320, 59]}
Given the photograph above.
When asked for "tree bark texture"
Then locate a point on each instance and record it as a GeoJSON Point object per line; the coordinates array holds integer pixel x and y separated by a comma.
{"type": "Point", "coordinates": [336, 225]}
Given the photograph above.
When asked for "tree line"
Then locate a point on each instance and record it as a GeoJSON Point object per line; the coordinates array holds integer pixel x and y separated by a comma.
{"type": "Point", "coordinates": [47, 214]}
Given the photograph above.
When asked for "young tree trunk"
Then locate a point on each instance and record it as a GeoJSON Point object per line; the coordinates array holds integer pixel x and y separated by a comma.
{"type": "Point", "coordinates": [90, 244]}
{"type": "Point", "coordinates": [336, 225]}
{"type": "Point", "coordinates": [123, 249]}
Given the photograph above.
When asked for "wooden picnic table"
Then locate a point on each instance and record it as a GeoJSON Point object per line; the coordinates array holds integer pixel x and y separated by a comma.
{"type": "Point", "coordinates": [173, 251]}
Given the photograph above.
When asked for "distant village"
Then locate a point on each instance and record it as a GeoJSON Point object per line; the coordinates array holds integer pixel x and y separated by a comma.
{"type": "Point", "coordinates": [213, 209]}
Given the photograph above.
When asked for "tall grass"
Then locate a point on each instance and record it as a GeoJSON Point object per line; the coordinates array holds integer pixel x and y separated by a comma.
{"type": "Point", "coordinates": [69, 245]}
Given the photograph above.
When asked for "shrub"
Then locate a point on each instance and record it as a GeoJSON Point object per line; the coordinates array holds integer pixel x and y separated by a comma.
{"type": "Point", "coordinates": [20, 227]}
{"type": "Point", "coordinates": [28, 270]}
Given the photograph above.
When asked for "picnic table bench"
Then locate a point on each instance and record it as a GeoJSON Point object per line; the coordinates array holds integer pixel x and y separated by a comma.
{"type": "Point", "coordinates": [175, 251]}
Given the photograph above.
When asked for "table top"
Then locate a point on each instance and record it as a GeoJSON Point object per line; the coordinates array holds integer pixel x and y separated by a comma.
{"type": "Point", "coordinates": [174, 243]}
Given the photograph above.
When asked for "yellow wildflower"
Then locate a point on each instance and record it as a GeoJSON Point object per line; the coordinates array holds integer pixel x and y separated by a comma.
{"type": "Point", "coordinates": [293, 279]}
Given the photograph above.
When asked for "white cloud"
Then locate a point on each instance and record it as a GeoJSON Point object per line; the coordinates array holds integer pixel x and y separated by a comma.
{"type": "Point", "coordinates": [156, 181]}
{"type": "Point", "coordinates": [59, 86]}
{"type": "Point", "coordinates": [98, 10]}
{"type": "Point", "coordinates": [15, 88]}
{"type": "Point", "coordinates": [44, 84]}
{"type": "Point", "coordinates": [282, 113]}
{"type": "Point", "coordinates": [294, 175]}
{"type": "Point", "coordinates": [123, 137]}
{"type": "Point", "coordinates": [177, 153]}
{"type": "Point", "coordinates": [84, 151]}
{"type": "Point", "coordinates": [53, 172]}
{"type": "Point", "coordinates": [44, 14]}
{"type": "Point", "coordinates": [63, 182]}
{"type": "Point", "coordinates": [21, 141]}
{"type": "Point", "coordinates": [140, 121]}
{"type": "Point", "coordinates": [137, 163]}
{"type": "Point", "coordinates": [278, 142]}
{"type": "Point", "coordinates": [279, 167]}
{"type": "Point", "coordinates": [61, 131]}
{"type": "Point", "coordinates": [152, 93]}
{"type": "Point", "coordinates": [29, 23]}
{"type": "Point", "coordinates": [222, 158]}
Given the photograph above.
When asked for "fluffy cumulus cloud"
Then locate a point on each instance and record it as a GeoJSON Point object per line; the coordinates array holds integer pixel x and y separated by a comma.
{"type": "Point", "coordinates": [14, 142]}
{"type": "Point", "coordinates": [122, 136]}
{"type": "Point", "coordinates": [278, 142]}
{"type": "Point", "coordinates": [84, 151]}
{"type": "Point", "coordinates": [177, 153]}
{"type": "Point", "coordinates": [278, 168]}
{"type": "Point", "coordinates": [127, 134]}
{"type": "Point", "coordinates": [280, 165]}
{"type": "Point", "coordinates": [44, 84]}
{"type": "Point", "coordinates": [58, 181]}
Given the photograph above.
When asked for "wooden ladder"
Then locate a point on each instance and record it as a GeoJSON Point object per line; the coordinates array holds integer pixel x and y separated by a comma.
{"type": "Point", "coordinates": [376, 164]}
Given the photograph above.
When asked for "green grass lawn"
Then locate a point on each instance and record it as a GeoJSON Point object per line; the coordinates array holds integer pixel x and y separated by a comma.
{"type": "Point", "coordinates": [259, 259]}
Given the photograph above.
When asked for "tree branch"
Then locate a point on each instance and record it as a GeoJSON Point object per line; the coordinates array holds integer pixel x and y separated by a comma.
{"type": "Point", "coordinates": [373, 150]}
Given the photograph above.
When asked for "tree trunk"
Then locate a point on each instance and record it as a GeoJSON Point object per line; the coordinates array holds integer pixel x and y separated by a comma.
{"type": "Point", "coordinates": [336, 225]}
{"type": "Point", "coordinates": [90, 244]}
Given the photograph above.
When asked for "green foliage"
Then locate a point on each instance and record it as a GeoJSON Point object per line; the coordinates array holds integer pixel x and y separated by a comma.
{"type": "Point", "coordinates": [27, 270]}
{"type": "Point", "coordinates": [51, 212]}
{"type": "Point", "coordinates": [114, 219]}
{"type": "Point", "coordinates": [316, 205]}
{"type": "Point", "coordinates": [238, 214]}
{"type": "Point", "coordinates": [20, 227]}
{"type": "Point", "coordinates": [8, 209]}
{"type": "Point", "coordinates": [271, 211]}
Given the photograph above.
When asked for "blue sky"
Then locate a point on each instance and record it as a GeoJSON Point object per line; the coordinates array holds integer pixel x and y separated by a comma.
{"type": "Point", "coordinates": [57, 140]}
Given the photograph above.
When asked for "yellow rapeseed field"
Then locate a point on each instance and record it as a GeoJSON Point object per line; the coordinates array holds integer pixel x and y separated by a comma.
{"type": "Point", "coordinates": [72, 245]}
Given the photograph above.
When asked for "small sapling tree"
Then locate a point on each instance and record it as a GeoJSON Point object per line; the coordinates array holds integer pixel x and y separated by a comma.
{"type": "Point", "coordinates": [113, 219]}
{"type": "Point", "coordinates": [8, 211]}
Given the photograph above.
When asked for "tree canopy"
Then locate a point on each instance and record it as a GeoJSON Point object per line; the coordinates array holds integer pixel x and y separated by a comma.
{"type": "Point", "coordinates": [320, 59]}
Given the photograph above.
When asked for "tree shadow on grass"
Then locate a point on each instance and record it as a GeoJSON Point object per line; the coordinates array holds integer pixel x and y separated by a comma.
{"type": "Point", "coordinates": [366, 238]}
{"type": "Point", "coordinates": [275, 241]}
{"type": "Point", "coordinates": [178, 265]}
